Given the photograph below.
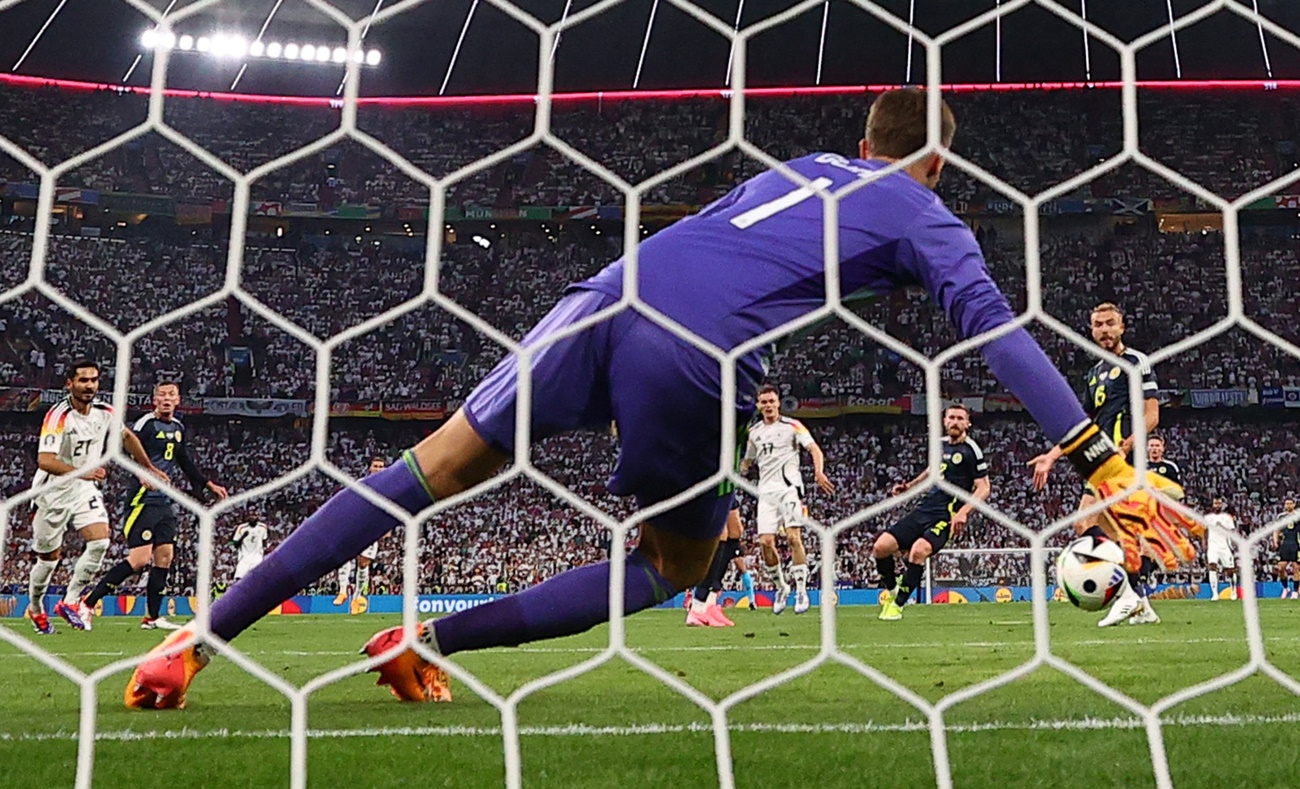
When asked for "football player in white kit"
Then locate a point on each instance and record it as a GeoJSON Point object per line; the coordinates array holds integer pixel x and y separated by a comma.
{"type": "Point", "coordinates": [362, 588]}
{"type": "Point", "coordinates": [1218, 548]}
{"type": "Point", "coordinates": [250, 539]}
{"type": "Point", "coordinates": [73, 436]}
{"type": "Point", "coordinates": [774, 443]}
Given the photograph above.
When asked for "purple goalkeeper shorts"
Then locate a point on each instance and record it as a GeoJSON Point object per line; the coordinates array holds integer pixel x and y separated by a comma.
{"type": "Point", "coordinates": [663, 394]}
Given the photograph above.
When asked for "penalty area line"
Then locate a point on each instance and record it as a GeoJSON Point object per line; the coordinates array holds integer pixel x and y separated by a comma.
{"type": "Point", "coordinates": [582, 730]}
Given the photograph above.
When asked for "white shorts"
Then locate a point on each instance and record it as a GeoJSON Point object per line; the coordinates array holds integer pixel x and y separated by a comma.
{"type": "Point", "coordinates": [787, 513]}
{"type": "Point", "coordinates": [371, 552]}
{"type": "Point", "coordinates": [51, 523]}
{"type": "Point", "coordinates": [1220, 554]}
{"type": "Point", "coordinates": [246, 566]}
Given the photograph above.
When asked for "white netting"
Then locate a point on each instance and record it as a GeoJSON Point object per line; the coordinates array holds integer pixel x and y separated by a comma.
{"type": "Point", "coordinates": [523, 467]}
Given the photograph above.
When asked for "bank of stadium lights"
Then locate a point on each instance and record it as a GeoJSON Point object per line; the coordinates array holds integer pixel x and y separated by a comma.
{"type": "Point", "coordinates": [235, 47]}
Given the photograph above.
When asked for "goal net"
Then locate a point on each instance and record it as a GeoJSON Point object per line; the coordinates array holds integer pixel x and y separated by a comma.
{"type": "Point", "coordinates": [324, 323]}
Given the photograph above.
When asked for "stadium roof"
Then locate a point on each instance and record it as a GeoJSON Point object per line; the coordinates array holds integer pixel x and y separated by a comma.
{"type": "Point", "coordinates": [99, 41]}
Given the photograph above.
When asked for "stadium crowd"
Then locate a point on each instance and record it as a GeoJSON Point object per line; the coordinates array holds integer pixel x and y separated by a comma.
{"type": "Point", "coordinates": [518, 534]}
{"type": "Point", "coordinates": [1228, 143]}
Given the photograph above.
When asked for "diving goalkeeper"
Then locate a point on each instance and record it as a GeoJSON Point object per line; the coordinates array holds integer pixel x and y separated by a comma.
{"type": "Point", "coordinates": [747, 264]}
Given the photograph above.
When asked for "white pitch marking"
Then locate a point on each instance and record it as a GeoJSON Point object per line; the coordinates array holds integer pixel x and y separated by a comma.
{"type": "Point", "coordinates": [583, 730]}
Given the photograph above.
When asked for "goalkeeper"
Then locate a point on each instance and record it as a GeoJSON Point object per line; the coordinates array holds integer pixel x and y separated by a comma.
{"type": "Point", "coordinates": [745, 266]}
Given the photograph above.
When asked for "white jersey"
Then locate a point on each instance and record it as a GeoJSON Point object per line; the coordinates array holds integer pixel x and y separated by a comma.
{"type": "Point", "coordinates": [775, 447]}
{"type": "Point", "coordinates": [78, 440]}
{"type": "Point", "coordinates": [1214, 538]}
{"type": "Point", "coordinates": [251, 538]}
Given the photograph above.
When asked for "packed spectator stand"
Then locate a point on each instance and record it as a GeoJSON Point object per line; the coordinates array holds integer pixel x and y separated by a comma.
{"type": "Point", "coordinates": [1171, 284]}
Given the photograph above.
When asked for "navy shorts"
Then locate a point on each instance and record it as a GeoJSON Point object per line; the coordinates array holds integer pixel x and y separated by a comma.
{"type": "Point", "coordinates": [1288, 553]}
{"type": "Point", "coordinates": [150, 524]}
{"type": "Point", "coordinates": [663, 393]}
{"type": "Point", "coordinates": [922, 524]}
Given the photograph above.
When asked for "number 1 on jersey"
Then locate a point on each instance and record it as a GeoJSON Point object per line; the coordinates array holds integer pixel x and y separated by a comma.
{"type": "Point", "coordinates": [772, 207]}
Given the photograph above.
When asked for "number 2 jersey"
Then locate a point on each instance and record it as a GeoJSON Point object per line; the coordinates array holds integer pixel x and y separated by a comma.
{"type": "Point", "coordinates": [963, 464]}
{"type": "Point", "coordinates": [78, 440]}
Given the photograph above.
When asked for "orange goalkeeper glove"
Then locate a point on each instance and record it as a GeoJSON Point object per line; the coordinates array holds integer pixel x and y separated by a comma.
{"type": "Point", "coordinates": [408, 675]}
{"type": "Point", "coordinates": [1139, 514]}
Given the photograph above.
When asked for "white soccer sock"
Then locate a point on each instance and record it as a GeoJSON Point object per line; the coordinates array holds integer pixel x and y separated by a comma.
{"type": "Point", "coordinates": [363, 579]}
{"type": "Point", "coordinates": [85, 570]}
{"type": "Point", "coordinates": [38, 582]}
{"type": "Point", "coordinates": [345, 577]}
{"type": "Point", "coordinates": [1214, 584]}
{"type": "Point", "coordinates": [774, 574]}
{"type": "Point", "coordinates": [799, 573]}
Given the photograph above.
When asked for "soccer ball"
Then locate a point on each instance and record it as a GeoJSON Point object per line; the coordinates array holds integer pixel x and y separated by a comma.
{"type": "Point", "coordinates": [1091, 572]}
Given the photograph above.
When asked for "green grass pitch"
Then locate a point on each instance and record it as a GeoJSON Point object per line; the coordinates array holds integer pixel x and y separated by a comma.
{"type": "Point", "coordinates": [619, 727]}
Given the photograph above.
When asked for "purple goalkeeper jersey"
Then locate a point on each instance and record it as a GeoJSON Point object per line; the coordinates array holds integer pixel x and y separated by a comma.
{"type": "Point", "coordinates": [754, 260]}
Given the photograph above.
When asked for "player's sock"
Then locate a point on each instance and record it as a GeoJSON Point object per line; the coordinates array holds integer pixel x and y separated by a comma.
{"type": "Point", "coordinates": [1095, 531]}
{"type": "Point", "coordinates": [774, 574]}
{"type": "Point", "coordinates": [571, 602]}
{"type": "Point", "coordinates": [38, 582]}
{"type": "Point", "coordinates": [344, 576]}
{"type": "Point", "coordinates": [363, 579]}
{"type": "Point", "coordinates": [713, 579]}
{"type": "Point", "coordinates": [85, 570]}
{"type": "Point", "coordinates": [911, 579]}
{"type": "Point", "coordinates": [157, 585]}
{"type": "Point", "coordinates": [888, 572]}
{"type": "Point", "coordinates": [1214, 584]}
{"type": "Point", "coordinates": [337, 532]}
{"type": "Point", "coordinates": [799, 574]}
{"type": "Point", "coordinates": [747, 586]}
{"type": "Point", "coordinates": [115, 577]}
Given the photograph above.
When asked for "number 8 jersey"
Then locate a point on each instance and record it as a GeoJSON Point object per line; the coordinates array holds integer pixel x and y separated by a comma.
{"type": "Point", "coordinates": [78, 440]}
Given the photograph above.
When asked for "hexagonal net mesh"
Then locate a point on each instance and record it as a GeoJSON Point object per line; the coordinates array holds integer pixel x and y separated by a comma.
{"type": "Point", "coordinates": [429, 293]}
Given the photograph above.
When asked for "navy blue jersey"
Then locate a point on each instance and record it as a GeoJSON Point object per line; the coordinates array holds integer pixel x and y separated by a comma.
{"type": "Point", "coordinates": [1290, 535]}
{"type": "Point", "coordinates": [1168, 469]}
{"type": "Point", "coordinates": [163, 441]}
{"type": "Point", "coordinates": [963, 463]}
{"type": "Point", "coordinates": [1107, 397]}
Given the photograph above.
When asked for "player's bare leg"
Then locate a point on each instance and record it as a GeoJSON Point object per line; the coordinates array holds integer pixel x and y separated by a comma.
{"type": "Point", "coordinates": [798, 568]}
{"type": "Point", "coordinates": [772, 569]}
{"type": "Point", "coordinates": [38, 582]}
{"type": "Point", "coordinates": [83, 572]}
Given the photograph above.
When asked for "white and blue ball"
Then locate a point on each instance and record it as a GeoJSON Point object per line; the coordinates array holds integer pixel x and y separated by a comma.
{"type": "Point", "coordinates": [1091, 572]}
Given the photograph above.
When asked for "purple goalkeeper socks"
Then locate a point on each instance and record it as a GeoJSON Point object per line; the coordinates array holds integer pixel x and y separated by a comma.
{"type": "Point", "coordinates": [335, 533]}
{"type": "Point", "coordinates": [569, 603]}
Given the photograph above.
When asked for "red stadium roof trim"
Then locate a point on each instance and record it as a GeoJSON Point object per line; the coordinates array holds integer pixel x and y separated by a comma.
{"type": "Point", "coordinates": [625, 95]}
